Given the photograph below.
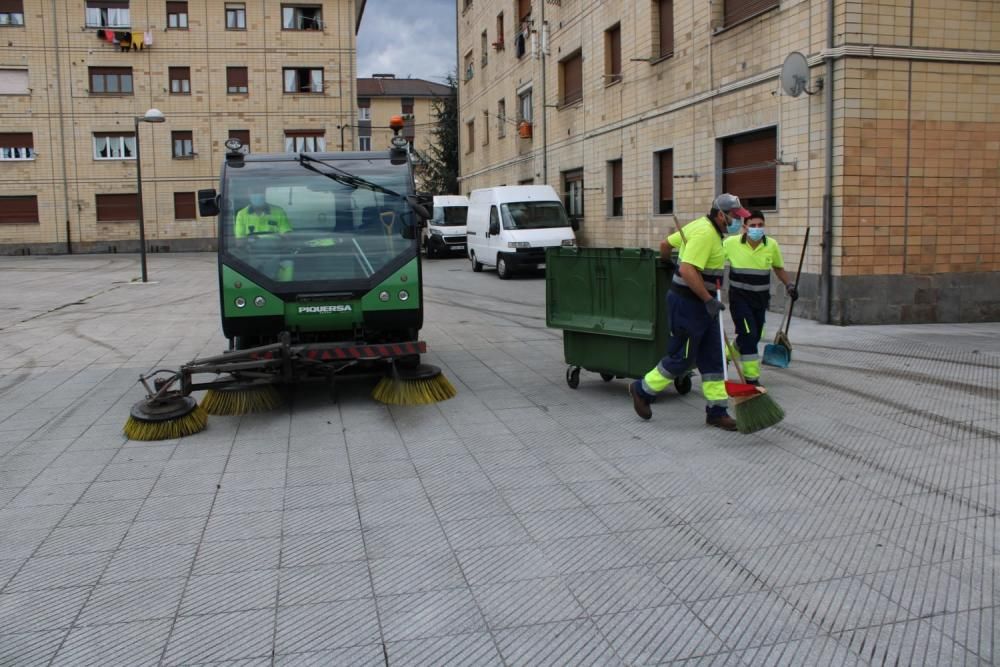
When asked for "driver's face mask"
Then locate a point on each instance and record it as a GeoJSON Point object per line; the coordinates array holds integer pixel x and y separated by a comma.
{"type": "Point", "coordinates": [257, 200]}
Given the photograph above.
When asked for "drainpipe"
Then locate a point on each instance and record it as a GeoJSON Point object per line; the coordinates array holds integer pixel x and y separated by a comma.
{"type": "Point", "coordinates": [826, 272]}
{"type": "Point", "coordinates": [62, 124]}
{"type": "Point", "coordinates": [542, 44]}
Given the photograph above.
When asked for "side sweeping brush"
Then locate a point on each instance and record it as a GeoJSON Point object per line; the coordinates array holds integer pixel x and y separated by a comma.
{"type": "Point", "coordinates": [242, 400]}
{"type": "Point", "coordinates": [164, 414]}
{"type": "Point", "coordinates": [422, 385]}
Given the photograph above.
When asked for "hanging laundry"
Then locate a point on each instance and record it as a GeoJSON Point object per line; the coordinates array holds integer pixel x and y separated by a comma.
{"type": "Point", "coordinates": [109, 36]}
{"type": "Point", "coordinates": [124, 40]}
{"type": "Point", "coordinates": [147, 37]}
{"type": "Point", "coordinates": [137, 41]}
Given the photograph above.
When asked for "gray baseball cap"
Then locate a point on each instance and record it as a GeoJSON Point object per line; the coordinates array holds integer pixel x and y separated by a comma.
{"type": "Point", "coordinates": [731, 204]}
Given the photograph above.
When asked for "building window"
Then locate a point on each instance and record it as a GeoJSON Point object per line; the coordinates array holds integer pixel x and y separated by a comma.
{"type": "Point", "coordinates": [501, 119]}
{"type": "Point", "coordinates": [364, 143]}
{"type": "Point", "coordinates": [498, 45]}
{"type": "Point", "coordinates": [664, 10]}
{"type": "Point", "coordinates": [470, 135]}
{"type": "Point", "coordinates": [573, 192]}
{"type": "Point", "coordinates": [14, 82]}
{"type": "Point", "coordinates": [571, 79]}
{"type": "Point", "coordinates": [615, 189]}
{"type": "Point", "coordinates": [486, 127]}
{"type": "Point", "coordinates": [19, 210]}
{"type": "Point", "coordinates": [524, 106]}
{"type": "Point", "coordinates": [741, 10]}
{"type": "Point", "coordinates": [303, 80]}
{"type": "Point", "coordinates": [243, 136]}
{"type": "Point", "coordinates": [663, 197]}
{"type": "Point", "coordinates": [180, 80]}
{"type": "Point", "coordinates": [613, 55]}
{"type": "Point", "coordinates": [117, 208]}
{"type": "Point", "coordinates": [183, 142]}
{"type": "Point", "coordinates": [406, 105]}
{"type": "Point", "coordinates": [237, 80]}
{"type": "Point", "coordinates": [17, 146]}
{"type": "Point", "coordinates": [104, 14]}
{"type": "Point", "coordinates": [236, 16]}
{"type": "Point", "coordinates": [468, 67]}
{"type": "Point", "coordinates": [114, 145]}
{"type": "Point", "coordinates": [305, 141]}
{"type": "Point", "coordinates": [184, 206]}
{"type": "Point", "coordinates": [301, 17]}
{"type": "Point", "coordinates": [484, 48]}
{"type": "Point", "coordinates": [364, 113]}
{"type": "Point", "coordinates": [12, 12]}
{"type": "Point", "coordinates": [177, 15]}
{"type": "Point", "coordinates": [749, 168]}
{"type": "Point", "coordinates": [110, 80]}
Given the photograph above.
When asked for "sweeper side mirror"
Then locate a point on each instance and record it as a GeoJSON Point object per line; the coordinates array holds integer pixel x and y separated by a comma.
{"type": "Point", "coordinates": [419, 207]}
{"type": "Point", "coordinates": [574, 224]}
{"type": "Point", "coordinates": [208, 203]}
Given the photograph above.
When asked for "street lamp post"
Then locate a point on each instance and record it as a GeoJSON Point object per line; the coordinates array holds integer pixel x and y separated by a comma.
{"type": "Point", "coordinates": [151, 116]}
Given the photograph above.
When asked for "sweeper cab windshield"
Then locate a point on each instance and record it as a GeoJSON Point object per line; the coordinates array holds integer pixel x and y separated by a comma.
{"type": "Point", "coordinates": [317, 219]}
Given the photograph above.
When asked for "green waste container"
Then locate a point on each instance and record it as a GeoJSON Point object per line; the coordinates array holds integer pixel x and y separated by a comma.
{"type": "Point", "coordinates": [611, 304]}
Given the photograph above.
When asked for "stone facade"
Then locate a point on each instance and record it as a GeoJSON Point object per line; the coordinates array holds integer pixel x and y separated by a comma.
{"type": "Point", "coordinates": [58, 48]}
{"type": "Point", "coordinates": [916, 133]}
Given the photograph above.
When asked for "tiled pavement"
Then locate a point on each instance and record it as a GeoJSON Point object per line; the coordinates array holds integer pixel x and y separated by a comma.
{"type": "Point", "coordinates": [519, 523]}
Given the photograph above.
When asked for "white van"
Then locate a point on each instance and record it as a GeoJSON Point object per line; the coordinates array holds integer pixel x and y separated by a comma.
{"type": "Point", "coordinates": [510, 227]}
{"type": "Point", "coordinates": [445, 231]}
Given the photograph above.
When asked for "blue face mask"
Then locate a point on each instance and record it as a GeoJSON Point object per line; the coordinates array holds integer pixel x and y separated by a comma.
{"type": "Point", "coordinates": [755, 233]}
{"type": "Point", "coordinates": [256, 200]}
{"type": "Point", "coordinates": [735, 225]}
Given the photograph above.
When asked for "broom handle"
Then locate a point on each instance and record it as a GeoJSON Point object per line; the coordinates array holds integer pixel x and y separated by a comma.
{"type": "Point", "coordinates": [725, 341]}
{"type": "Point", "coordinates": [802, 258]}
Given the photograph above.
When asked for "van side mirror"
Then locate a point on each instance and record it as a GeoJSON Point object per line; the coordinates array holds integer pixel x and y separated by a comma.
{"type": "Point", "coordinates": [574, 223]}
{"type": "Point", "coordinates": [494, 228]}
{"type": "Point", "coordinates": [208, 203]}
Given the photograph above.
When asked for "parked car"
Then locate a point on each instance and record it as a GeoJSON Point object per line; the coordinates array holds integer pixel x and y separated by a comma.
{"type": "Point", "coordinates": [445, 231]}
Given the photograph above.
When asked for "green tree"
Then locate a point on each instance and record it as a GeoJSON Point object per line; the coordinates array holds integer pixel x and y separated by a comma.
{"type": "Point", "coordinates": [441, 161]}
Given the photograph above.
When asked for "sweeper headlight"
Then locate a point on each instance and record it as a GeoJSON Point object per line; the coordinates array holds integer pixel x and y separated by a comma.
{"type": "Point", "coordinates": [383, 296]}
{"type": "Point", "coordinates": [403, 295]}
{"type": "Point", "coordinates": [240, 302]}
{"type": "Point", "coordinates": [259, 301]}
{"type": "Point", "coordinates": [234, 144]}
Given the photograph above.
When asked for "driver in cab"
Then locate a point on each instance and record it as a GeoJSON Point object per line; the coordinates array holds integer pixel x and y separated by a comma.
{"type": "Point", "coordinates": [260, 217]}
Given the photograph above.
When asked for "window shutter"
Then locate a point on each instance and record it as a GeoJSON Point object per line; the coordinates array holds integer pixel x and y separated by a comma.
{"type": "Point", "coordinates": [738, 10]}
{"type": "Point", "coordinates": [17, 140]}
{"type": "Point", "coordinates": [104, 4]}
{"type": "Point", "coordinates": [748, 164]}
{"type": "Point", "coordinates": [117, 208]}
{"type": "Point", "coordinates": [184, 206]}
{"type": "Point", "coordinates": [666, 168]}
{"type": "Point", "coordinates": [615, 42]}
{"type": "Point", "coordinates": [573, 79]}
{"type": "Point", "coordinates": [364, 102]}
{"type": "Point", "coordinates": [237, 77]}
{"type": "Point", "coordinates": [177, 7]}
{"type": "Point", "coordinates": [242, 135]}
{"type": "Point", "coordinates": [616, 178]}
{"type": "Point", "coordinates": [19, 210]}
{"type": "Point", "coordinates": [305, 133]}
{"type": "Point", "coordinates": [523, 9]}
{"type": "Point", "coordinates": [12, 6]}
{"type": "Point", "coordinates": [666, 28]}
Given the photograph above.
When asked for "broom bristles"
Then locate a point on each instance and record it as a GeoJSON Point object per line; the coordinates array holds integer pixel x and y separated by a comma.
{"type": "Point", "coordinates": [396, 391]}
{"type": "Point", "coordinates": [755, 413]}
{"type": "Point", "coordinates": [170, 429]}
{"type": "Point", "coordinates": [243, 401]}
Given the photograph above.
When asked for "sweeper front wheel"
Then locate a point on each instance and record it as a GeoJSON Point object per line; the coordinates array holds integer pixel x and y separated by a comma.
{"type": "Point", "coordinates": [165, 418]}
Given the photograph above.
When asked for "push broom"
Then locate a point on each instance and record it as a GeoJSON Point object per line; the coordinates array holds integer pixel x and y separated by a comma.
{"type": "Point", "coordinates": [755, 409]}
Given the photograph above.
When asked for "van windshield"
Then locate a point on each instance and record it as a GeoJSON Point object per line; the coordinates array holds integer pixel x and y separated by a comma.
{"type": "Point", "coordinates": [534, 215]}
{"type": "Point", "coordinates": [450, 216]}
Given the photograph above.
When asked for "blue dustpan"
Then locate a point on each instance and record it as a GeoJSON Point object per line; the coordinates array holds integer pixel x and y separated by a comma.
{"type": "Point", "coordinates": [777, 355]}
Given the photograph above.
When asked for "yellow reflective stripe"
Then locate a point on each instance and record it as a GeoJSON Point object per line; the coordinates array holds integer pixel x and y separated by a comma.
{"type": "Point", "coordinates": [751, 369]}
{"type": "Point", "coordinates": [714, 390]}
{"type": "Point", "coordinates": [655, 382]}
{"type": "Point", "coordinates": [687, 348]}
{"type": "Point", "coordinates": [746, 325]}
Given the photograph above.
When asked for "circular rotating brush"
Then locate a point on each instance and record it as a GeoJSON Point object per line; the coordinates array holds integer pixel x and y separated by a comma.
{"type": "Point", "coordinates": [165, 418]}
{"type": "Point", "coordinates": [241, 400]}
{"type": "Point", "coordinates": [422, 385]}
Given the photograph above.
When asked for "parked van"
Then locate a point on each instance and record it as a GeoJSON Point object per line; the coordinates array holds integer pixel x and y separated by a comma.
{"type": "Point", "coordinates": [445, 231]}
{"type": "Point", "coordinates": [510, 227]}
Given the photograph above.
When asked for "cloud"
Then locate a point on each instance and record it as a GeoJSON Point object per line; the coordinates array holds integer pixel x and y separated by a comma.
{"type": "Point", "coordinates": [413, 38]}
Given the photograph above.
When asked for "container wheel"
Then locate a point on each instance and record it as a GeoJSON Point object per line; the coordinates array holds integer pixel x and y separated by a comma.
{"type": "Point", "coordinates": [476, 265]}
{"type": "Point", "coordinates": [573, 376]}
{"type": "Point", "coordinates": [503, 269]}
{"type": "Point", "coordinates": [683, 384]}
{"type": "Point", "coordinates": [607, 377]}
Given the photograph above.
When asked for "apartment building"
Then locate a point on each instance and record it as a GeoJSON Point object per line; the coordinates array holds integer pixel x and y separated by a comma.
{"type": "Point", "coordinates": [76, 73]}
{"type": "Point", "coordinates": [641, 110]}
{"type": "Point", "coordinates": [383, 96]}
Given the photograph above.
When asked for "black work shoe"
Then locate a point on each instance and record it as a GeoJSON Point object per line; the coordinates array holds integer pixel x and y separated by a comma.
{"type": "Point", "coordinates": [725, 422]}
{"type": "Point", "coordinates": [640, 404]}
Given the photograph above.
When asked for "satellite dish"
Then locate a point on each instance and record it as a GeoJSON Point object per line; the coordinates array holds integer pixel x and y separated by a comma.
{"type": "Point", "coordinates": [795, 75]}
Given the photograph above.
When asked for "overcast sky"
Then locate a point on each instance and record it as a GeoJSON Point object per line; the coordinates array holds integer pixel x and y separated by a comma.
{"type": "Point", "coordinates": [413, 38]}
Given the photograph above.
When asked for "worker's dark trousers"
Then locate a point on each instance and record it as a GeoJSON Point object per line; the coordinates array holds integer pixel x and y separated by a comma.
{"type": "Point", "coordinates": [748, 316]}
{"type": "Point", "coordinates": [694, 341]}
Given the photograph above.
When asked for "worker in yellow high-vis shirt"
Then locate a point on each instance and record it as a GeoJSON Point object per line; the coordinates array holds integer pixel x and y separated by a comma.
{"type": "Point", "coordinates": [752, 256]}
{"type": "Point", "coordinates": [694, 310]}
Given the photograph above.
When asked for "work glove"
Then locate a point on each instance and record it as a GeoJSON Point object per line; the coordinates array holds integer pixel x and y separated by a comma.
{"type": "Point", "coordinates": [714, 307]}
{"type": "Point", "coordinates": [792, 293]}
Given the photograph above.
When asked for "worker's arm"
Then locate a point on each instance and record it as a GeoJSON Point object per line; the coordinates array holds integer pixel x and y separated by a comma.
{"type": "Point", "coordinates": [282, 219]}
{"type": "Point", "coordinates": [240, 226]}
{"type": "Point", "coordinates": [692, 278]}
{"type": "Point", "coordinates": [782, 276]}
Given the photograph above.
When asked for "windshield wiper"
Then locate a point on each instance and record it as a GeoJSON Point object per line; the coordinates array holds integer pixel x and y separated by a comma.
{"type": "Point", "coordinates": [345, 178]}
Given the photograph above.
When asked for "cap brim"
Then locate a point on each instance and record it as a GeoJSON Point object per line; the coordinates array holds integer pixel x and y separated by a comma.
{"type": "Point", "coordinates": [740, 213]}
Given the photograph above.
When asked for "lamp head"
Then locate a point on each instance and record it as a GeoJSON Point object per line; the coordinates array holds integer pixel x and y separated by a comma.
{"type": "Point", "coordinates": [153, 116]}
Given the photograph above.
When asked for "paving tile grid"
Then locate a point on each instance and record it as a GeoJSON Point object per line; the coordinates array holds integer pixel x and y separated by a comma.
{"type": "Point", "coordinates": [520, 523]}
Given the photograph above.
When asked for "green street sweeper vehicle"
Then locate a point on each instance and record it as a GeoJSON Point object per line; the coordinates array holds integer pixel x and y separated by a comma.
{"type": "Point", "coordinates": [319, 278]}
